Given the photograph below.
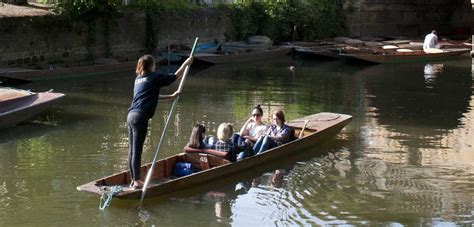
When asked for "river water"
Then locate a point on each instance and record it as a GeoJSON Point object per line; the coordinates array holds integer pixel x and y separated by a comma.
{"type": "Point", "coordinates": [407, 157]}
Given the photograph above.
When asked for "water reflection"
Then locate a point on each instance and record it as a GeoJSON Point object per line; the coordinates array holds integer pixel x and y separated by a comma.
{"type": "Point", "coordinates": [431, 71]}
{"type": "Point", "coordinates": [400, 98]}
{"type": "Point", "coordinates": [416, 120]}
{"type": "Point", "coordinates": [335, 190]}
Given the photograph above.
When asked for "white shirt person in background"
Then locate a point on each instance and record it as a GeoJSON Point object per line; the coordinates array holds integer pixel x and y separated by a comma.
{"type": "Point", "coordinates": [431, 42]}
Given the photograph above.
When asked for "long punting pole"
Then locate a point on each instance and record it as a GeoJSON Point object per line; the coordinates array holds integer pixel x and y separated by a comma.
{"type": "Point", "coordinates": [173, 107]}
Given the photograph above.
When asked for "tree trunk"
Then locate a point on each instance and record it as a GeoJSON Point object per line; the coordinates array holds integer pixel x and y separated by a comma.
{"type": "Point", "coordinates": [18, 2]}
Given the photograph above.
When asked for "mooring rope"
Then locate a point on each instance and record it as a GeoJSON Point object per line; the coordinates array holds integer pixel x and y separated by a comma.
{"type": "Point", "coordinates": [106, 197]}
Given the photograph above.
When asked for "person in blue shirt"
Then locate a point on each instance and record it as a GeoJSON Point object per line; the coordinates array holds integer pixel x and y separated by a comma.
{"type": "Point", "coordinates": [146, 93]}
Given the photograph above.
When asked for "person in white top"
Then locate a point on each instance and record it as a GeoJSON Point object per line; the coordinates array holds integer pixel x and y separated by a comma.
{"type": "Point", "coordinates": [431, 41]}
{"type": "Point", "coordinates": [250, 132]}
{"type": "Point", "coordinates": [253, 127]}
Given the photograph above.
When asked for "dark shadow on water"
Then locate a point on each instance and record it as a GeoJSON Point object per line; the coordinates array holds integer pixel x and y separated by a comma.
{"type": "Point", "coordinates": [26, 130]}
{"type": "Point", "coordinates": [44, 123]}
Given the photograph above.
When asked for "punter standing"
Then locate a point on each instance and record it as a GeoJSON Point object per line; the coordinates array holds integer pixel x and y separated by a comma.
{"type": "Point", "coordinates": [146, 93]}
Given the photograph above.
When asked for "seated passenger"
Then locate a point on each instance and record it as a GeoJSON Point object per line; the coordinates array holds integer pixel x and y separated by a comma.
{"type": "Point", "coordinates": [276, 135]}
{"type": "Point", "coordinates": [251, 130]}
{"type": "Point", "coordinates": [224, 142]}
{"type": "Point", "coordinates": [196, 140]}
{"type": "Point", "coordinates": [197, 144]}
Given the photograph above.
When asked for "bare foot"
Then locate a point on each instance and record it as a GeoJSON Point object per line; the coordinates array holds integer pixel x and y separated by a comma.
{"type": "Point", "coordinates": [138, 184]}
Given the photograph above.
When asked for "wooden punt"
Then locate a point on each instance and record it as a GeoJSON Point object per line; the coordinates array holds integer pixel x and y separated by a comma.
{"type": "Point", "coordinates": [320, 128]}
{"type": "Point", "coordinates": [318, 51]}
{"type": "Point", "coordinates": [242, 57]}
{"type": "Point", "coordinates": [398, 57]}
{"type": "Point", "coordinates": [19, 105]}
{"type": "Point", "coordinates": [34, 75]}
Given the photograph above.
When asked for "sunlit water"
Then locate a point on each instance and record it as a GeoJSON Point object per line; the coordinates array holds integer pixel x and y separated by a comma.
{"type": "Point", "coordinates": [405, 159]}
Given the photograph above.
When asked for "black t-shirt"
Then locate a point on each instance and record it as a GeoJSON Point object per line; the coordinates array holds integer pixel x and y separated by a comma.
{"type": "Point", "coordinates": [147, 90]}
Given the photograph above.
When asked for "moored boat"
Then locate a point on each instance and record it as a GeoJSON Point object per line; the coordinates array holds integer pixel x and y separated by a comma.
{"type": "Point", "coordinates": [33, 75]}
{"type": "Point", "coordinates": [318, 51]}
{"type": "Point", "coordinates": [314, 130]}
{"type": "Point", "coordinates": [404, 56]}
{"type": "Point", "coordinates": [20, 105]}
{"type": "Point", "coordinates": [243, 57]}
{"type": "Point", "coordinates": [208, 47]}
{"type": "Point", "coordinates": [180, 52]}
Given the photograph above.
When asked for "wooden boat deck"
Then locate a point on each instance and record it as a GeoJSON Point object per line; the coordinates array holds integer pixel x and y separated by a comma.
{"type": "Point", "coordinates": [319, 128]}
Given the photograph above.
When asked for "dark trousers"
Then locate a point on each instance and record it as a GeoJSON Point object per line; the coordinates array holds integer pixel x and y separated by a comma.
{"type": "Point", "coordinates": [238, 140]}
{"type": "Point", "coordinates": [263, 144]}
{"type": "Point", "coordinates": [244, 149]}
{"type": "Point", "coordinates": [137, 130]}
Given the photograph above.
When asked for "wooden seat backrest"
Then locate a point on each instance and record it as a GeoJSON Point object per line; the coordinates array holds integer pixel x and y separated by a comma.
{"type": "Point", "coordinates": [204, 161]}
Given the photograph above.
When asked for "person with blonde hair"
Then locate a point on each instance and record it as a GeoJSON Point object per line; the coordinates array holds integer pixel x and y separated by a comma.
{"type": "Point", "coordinates": [224, 136]}
{"type": "Point", "coordinates": [146, 93]}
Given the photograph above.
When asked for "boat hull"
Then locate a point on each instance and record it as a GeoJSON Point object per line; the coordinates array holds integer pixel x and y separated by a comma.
{"type": "Point", "coordinates": [34, 75]}
{"type": "Point", "coordinates": [317, 52]}
{"type": "Point", "coordinates": [315, 133]}
{"type": "Point", "coordinates": [21, 109]}
{"type": "Point", "coordinates": [405, 58]}
{"type": "Point", "coordinates": [243, 57]}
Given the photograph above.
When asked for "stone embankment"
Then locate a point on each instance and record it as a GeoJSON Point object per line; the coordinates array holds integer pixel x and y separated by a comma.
{"type": "Point", "coordinates": [34, 37]}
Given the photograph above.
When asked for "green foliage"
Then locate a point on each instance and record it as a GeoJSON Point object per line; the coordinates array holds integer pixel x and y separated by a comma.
{"type": "Point", "coordinates": [278, 19]}
{"type": "Point", "coordinates": [87, 10]}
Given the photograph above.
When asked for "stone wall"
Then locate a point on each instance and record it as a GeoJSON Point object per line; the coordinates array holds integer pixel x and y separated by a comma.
{"type": "Point", "coordinates": [39, 41]}
{"type": "Point", "coordinates": [43, 40]}
{"type": "Point", "coordinates": [411, 18]}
